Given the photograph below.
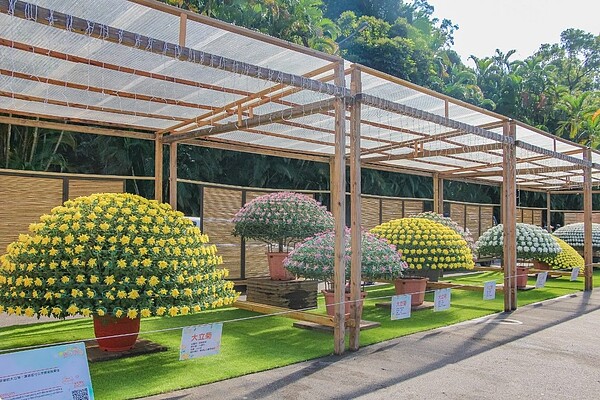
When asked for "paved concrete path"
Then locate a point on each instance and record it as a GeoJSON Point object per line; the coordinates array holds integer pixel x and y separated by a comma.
{"type": "Point", "coordinates": [549, 350]}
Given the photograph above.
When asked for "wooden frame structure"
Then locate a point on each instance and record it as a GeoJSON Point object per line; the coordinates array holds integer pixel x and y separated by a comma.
{"type": "Point", "coordinates": [144, 69]}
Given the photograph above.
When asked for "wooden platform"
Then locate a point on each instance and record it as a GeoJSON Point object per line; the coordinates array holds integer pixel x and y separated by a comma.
{"type": "Point", "coordinates": [295, 295]}
{"type": "Point", "coordinates": [531, 271]}
{"type": "Point", "coordinates": [500, 287]}
{"type": "Point", "coordinates": [285, 312]}
{"type": "Point", "coordinates": [364, 325]}
{"type": "Point", "coordinates": [142, 346]}
{"type": "Point", "coordinates": [459, 286]}
{"type": "Point", "coordinates": [427, 305]}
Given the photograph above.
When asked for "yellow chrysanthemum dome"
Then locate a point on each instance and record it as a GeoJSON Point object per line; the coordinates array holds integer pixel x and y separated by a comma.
{"type": "Point", "coordinates": [426, 244]}
{"type": "Point", "coordinates": [112, 254]}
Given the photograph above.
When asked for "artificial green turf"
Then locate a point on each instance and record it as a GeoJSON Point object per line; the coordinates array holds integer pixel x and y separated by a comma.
{"type": "Point", "coordinates": [252, 345]}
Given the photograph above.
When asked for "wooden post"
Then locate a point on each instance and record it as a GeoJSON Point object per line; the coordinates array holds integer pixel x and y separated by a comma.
{"type": "Point", "coordinates": [509, 206]}
{"type": "Point", "coordinates": [548, 212]}
{"type": "Point", "coordinates": [158, 168]}
{"type": "Point", "coordinates": [587, 221]}
{"type": "Point", "coordinates": [338, 207]}
{"type": "Point", "coordinates": [173, 146]}
{"type": "Point", "coordinates": [355, 209]}
{"type": "Point", "coordinates": [182, 29]}
{"type": "Point", "coordinates": [173, 175]}
{"type": "Point", "coordinates": [438, 194]}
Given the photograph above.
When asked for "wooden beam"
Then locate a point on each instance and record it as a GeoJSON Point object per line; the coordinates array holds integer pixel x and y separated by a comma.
{"type": "Point", "coordinates": [75, 128]}
{"type": "Point", "coordinates": [173, 146]}
{"type": "Point", "coordinates": [338, 207]}
{"type": "Point", "coordinates": [587, 221]}
{"type": "Point", "coordinates": [215, 143]}
{"type": "Point", "coordinates": [438, 153]}
{"type": "Point", "coordinates": [250, 101]}
{"type": "Point", "coordinates": [320, 319]}
{"type": "Point", "coordinates": [114, 67]}
{"type": "Point", "coordinates": [79, 121]}
{"type": "Point", "coordinates": [173, 175]}
{"type": "Point", "coordinates": [105, 91]}
{"type": "Point", "coordinates": [520, 160]}
{"type": "Point", "coordinates": [438, 194]}
{"type": "Point", "coordinates": [158, 168]}
{"type": "Point", "coordinates": [489, 269]}
{"type": "Point", "coordinates": [522, 171]}
{"type": "Point", "coordinates": [458, 286]}
{"type": "Point", "coordinates": [182, 29]}
{"type": "Point", "coordinates": [285, 136]}
{"type": "Point", "coordinates": [554, 138]}
{"type": "Point", "coordinates": [423, 139]}
{"type": "Point", "coordinates": [548, 212]}
{"type": "Point", "coordinates": [81, 106]}
{"type": "Point", "coordinates": [552, 272]}
{"type": "Point", "coordinates": [572, 192]}
{"type": "Point", "coordinates": [46, 174]}
{"type": "Point", "coordinates": [509, 206]}
{"type": "Point", "coordinates": [355, 210]}
{"type": "Point", "coordinates": [258, 120]}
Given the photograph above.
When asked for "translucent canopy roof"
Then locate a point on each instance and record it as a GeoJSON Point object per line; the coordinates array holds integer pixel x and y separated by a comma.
{"type": "Point", "coordinates": [145, 69]}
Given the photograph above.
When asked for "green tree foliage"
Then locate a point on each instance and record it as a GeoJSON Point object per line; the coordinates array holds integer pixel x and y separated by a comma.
{"type": "Point", "coordinates": [33, 148]}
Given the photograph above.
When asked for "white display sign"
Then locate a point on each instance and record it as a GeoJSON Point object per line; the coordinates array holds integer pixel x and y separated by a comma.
{"type": "Point", "coordinates": [401, 306]}
{"type": "Point", "coordinates": [49, 373]}
{"type": "Point", "coordinates": [200, 340]}
{"type": "Point", "coordinates": [441, 299]}
{"type": "Point", "coordinates": [541, 279]}
{"type": "Point", "coordinates": [575, 273]}
{"type": "Point", "coordinates": [489, 290]}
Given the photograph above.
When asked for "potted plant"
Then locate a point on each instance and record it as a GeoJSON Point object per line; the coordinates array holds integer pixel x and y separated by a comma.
{"type": "Point", "coordinates": [314, 258]}
{"type": "Point", "coordinates": [426, 245]}
{"type": "Point", "coordinates": [533, 242]}
{"type": "Point", "coordinates": [567, 259]}
{"type": "Point", "coordinates": [450, 223]}
{"type": "Point", "coordinates": [115, 257]}
{"type": "Point", "coordinates": [281, 220]}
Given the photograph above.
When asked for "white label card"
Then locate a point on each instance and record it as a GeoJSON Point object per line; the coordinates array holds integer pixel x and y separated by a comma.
{"type": "Point", "coordinates": [49, 373]}
{"type": "Point", "coordinates": [541, 279]}
{"type": "Point", "coordinates": [401, 306]}
{"type": "Point", "coordinates": [575, 273]}
{"type": "Point", "coordinates": [441, 300]}
{"type": "Point", "coordinates": [200, 340]}
{"type": "Point", "coordinates": [489, 290]}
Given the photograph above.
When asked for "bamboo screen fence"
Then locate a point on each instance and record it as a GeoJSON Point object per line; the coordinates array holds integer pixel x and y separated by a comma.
{"type": "Point", "coordinates": [529, 215]}
{"type": "Point", "coordinates": [27, 195]}
{"type": "Point", "coordinates": [572, 217]}
{"type": "Point", "coordinates": [477, 218]}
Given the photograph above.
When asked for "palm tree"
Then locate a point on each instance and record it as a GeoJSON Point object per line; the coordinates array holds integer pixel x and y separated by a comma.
{"type": "Point", "coordinates": [579, 123]}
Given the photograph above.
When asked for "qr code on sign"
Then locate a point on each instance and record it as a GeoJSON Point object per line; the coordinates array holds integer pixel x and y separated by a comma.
{"type": "Point", "coordinates": [81, 394]}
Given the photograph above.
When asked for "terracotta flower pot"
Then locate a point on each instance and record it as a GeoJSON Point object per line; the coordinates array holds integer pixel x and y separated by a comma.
{"type": "Point", "coordinates": [541, 265]}
{"type": "Point", "coordinates": [522, 276]}
{"type": "Point", "coordinates": [110, 326]}
{"type": "Point", "coordinates": [330, 303]}
{"type": "Point", "coordinates": [276, 269]}
{"type": "Point", "coordinates": [414, 286]}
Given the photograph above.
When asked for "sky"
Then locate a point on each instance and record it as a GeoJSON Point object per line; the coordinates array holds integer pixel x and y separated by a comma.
{"type": "Point", "coordinates": [523, 25]}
